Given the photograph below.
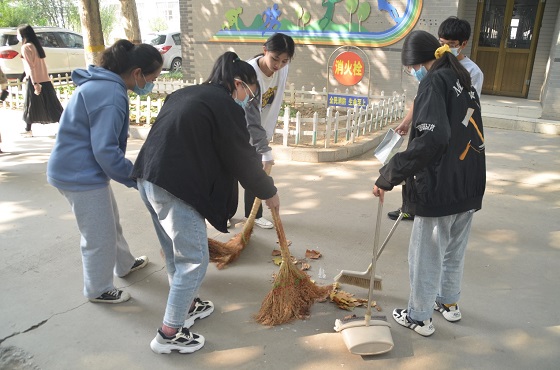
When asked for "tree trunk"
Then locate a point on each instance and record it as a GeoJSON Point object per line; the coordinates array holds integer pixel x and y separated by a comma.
{"type": "Point", "coordinates": [92, 31]}
{"type": "Point", "coordinates": [131, 24]}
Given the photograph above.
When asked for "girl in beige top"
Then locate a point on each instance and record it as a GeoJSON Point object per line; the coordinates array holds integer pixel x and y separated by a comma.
{"type": "Point", "coordinates": [41, 103]}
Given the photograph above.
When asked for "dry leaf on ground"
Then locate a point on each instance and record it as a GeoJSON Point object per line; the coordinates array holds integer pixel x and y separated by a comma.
{"type": "Point", "coordinates": [313, 254]}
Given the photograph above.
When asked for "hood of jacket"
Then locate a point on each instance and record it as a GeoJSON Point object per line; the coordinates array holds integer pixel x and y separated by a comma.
{"type": "Point", "coordinates": [81, 76]}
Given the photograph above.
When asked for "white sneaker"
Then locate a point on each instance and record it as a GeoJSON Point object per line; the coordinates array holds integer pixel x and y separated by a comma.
{"type": "Point", "coordinates": [27, 133]}
{"type": "Point", "coordinates": [264, 223]}
{"type": "Point", "coordinates": [449, 311]}
{"type": "Point", "coordinates": [424, 328]}
{"type": "Point", "coordinates": [228, 224]}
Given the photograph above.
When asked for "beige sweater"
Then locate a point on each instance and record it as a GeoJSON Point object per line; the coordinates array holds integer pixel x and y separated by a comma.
{"type": "Point", "coordinates": [35, 67]}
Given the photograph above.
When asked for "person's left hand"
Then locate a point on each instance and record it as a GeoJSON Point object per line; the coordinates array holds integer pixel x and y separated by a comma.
{"type": "Point", "coordinates": [378, 192]}
{"type": "Point", "coordinates": [38, 89]}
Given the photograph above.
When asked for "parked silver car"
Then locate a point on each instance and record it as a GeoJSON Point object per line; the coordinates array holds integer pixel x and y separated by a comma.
{"type": "Point", "coordinates": [169, 45]}
{"type": "Point", "coordinates": [64, 50]}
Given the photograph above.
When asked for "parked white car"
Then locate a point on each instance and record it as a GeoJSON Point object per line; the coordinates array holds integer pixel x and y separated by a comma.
{"type": "Point", "coordinates": [169, 45]}
{"type": "Point", "coordinates": [64, 50]}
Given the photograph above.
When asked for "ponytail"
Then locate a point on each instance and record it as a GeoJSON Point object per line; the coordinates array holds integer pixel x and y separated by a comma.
{"type": "Point", "coordinates": [123, 56]}
{"type": "Point", "coordinates": [227, 67]}
{"type": "Point", "coordinates": [445, 59]}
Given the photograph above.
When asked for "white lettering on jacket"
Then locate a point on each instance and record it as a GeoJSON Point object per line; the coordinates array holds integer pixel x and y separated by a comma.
{"type": "Point", "coordinates": [426, 127]}
{"type": "Point", "coordinates": [458, 88]}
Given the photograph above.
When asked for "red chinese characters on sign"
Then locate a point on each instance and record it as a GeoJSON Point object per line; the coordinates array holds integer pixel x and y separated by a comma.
{"type": "Point", "coordinates": [348, 68]}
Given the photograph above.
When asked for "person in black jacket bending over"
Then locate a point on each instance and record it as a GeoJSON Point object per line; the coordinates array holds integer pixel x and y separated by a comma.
{"type": "Point", "coordinates": [185, 171]}
{"type": "Point", "coordinates": [444, 170]}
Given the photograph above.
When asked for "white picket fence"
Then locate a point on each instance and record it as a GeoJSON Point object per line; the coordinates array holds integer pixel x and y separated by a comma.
{"type": "Point", "coordinates": [326, 126]}
{"type": "Point", "coordinates": [17, 92]}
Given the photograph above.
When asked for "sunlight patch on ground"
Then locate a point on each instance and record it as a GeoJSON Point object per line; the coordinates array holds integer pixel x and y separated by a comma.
{"type": "Point", "coordinates": [555, 240]}
{"type": "Point", "coordinates": [12, 211]}
{"type": "Point", "coordinates": [236, 357]}
{"type": "Point", "coordinates": [364, 195]}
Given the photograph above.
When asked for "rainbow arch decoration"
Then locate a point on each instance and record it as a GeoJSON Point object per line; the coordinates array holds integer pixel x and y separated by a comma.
{"type": "Point", "coordinates": [324, 31]}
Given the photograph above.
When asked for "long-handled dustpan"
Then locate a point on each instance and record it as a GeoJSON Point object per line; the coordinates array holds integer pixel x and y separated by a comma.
{"type": "Point", "coordinates": [362, 278]}
{"type": "Point", "coordinates": [369, 335]}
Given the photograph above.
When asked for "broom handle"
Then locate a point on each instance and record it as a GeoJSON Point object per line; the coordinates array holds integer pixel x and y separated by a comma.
{"type": "Point", "coordinates": [281, 235]}
{"type": "Point", "coordinates": [255, 209]}
{"type": "Point", "coordinates": [374, 259]}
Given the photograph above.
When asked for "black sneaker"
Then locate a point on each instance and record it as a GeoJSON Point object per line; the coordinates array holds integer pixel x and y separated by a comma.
{"type": "Point", "coordinates": [200, 310]}
{"type": "Point", "coordinates": [112, 296]}
{"type": "Point", "coordinates": [395, 214]}
{"type": "Point", "coordinates": [183, 341]}
{"type": "Point", "coordinates": [139, 263]}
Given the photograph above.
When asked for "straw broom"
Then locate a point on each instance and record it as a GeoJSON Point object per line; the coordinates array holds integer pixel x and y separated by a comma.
{"type": "Point", "coordinates": [293, 293]}
{"type": "Point", "coordinates": [225, 253]}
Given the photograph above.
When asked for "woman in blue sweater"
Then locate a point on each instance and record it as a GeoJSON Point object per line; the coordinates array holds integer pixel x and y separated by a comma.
{"type": "Point", "coordinates": [90, 151]}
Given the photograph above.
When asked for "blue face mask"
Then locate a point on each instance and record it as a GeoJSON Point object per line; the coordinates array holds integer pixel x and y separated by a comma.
{"type": "Point", "coordinates": [148, 87]}
{"type": "Point", "coordinates": [243, 103]}
{"type": "Point", "coordinates": [419, 74]}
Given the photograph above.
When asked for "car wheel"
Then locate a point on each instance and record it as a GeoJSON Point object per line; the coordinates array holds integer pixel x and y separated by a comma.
{"type": "Point", "coordinates": [176, 65]}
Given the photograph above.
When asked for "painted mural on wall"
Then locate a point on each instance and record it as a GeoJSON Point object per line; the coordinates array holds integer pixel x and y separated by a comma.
{"type": "Point", "coordinates": [297, 22]}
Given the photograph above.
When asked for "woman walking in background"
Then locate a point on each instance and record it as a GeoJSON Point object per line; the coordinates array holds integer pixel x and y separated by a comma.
{"type": "Point", "coordinates": [90, 151]}
{"type": "Point", "coordinates": [41, 104]}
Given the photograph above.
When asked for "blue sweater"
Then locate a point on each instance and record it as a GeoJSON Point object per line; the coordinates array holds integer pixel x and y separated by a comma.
{"type": "Point", "coordinates": [91, 142]}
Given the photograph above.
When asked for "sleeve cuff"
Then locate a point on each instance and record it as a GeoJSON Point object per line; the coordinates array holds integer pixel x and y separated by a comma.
{"type": "Point", "coordinates": [267, 156]}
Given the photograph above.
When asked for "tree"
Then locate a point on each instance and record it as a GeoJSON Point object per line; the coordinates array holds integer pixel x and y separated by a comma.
{"type": "Point", "coordinates": [351, 7]}
{"type": "Point", "coordinates": [130, 15]}
{"type": "Point", "coordinates": [157, 24]}
{"type": "Point", "coordinates": [13, 14]}
{"type": "Point", "coordinates": [92, 31]}
{"type": "Point", "coordinates": [364, 10]}
{"type": "Point", "coordinates": [108, 15]}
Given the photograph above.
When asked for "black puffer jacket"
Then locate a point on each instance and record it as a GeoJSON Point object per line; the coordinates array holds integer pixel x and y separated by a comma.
{"type": "Point", "coordinates": [444, 165]}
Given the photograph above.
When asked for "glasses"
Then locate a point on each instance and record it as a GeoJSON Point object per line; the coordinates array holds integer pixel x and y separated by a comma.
{"type": "Point", "coordinates": [246, 87]}
{"type": "Point", "coordinates": [451, 44]}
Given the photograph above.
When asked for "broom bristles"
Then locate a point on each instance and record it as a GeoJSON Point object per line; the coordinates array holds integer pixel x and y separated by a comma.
{"type": "Point", "coordinates": [293, 292]}
{"type": "Point", "coordinates": [291, 297]}
{"type": "Point", "coordinates": [360, 279]}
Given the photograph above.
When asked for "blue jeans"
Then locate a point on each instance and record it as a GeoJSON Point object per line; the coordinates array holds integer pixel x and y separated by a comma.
{"type": "Point", "coordinates": [104, 248]}
{"type": "Point", "coordinates": [181, 231]}
{"type": "Point", "coordinates": [436, 257]}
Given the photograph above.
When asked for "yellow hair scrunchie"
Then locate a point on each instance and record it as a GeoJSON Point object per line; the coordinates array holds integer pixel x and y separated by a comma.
{"type": "Point", "coordinates": [441, 50]}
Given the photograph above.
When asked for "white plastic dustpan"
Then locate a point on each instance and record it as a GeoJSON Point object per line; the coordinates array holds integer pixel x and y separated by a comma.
{"type": "Point", "coordinates": [388, 147]}
{"type": "Point", "coordinates": [363, 339]}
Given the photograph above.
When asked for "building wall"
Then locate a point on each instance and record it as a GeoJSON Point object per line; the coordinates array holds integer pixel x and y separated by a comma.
{"type": "Point", "coordinates": [200, 20]}
{"type": "Point", "coordinates": [551, 88]}
{"type": "Point", "coordinates": [309, 66]}
{"type": "Point", "coordinates": [542, 54]}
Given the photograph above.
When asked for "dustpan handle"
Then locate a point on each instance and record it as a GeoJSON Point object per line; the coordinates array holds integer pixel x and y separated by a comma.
{"type": "Point", "coordinates": [374, 259]}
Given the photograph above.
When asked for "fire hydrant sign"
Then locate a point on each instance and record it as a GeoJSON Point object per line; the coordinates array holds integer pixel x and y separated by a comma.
{"type": "Point", "coordinates": [348, 68]}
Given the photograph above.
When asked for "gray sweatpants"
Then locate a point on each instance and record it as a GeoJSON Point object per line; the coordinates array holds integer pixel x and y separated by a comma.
{"type": "Point", "coordinates": [104, 249]}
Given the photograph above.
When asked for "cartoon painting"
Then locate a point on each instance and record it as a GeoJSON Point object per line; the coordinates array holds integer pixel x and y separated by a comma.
{"type": "Point", "coordinates": [325, 30]}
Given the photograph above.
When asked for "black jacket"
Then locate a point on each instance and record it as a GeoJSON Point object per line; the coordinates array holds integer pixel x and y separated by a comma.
{"type": "Point", "coordinates": [444, 166]}
{"type": "Point", "coordinates": [197, 145]}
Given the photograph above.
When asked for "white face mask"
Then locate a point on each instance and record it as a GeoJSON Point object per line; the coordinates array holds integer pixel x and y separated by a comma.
{"type": "Point", "coordinates": [19, 38]}
{"type": "Point", "coordinates": [455, 51]}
